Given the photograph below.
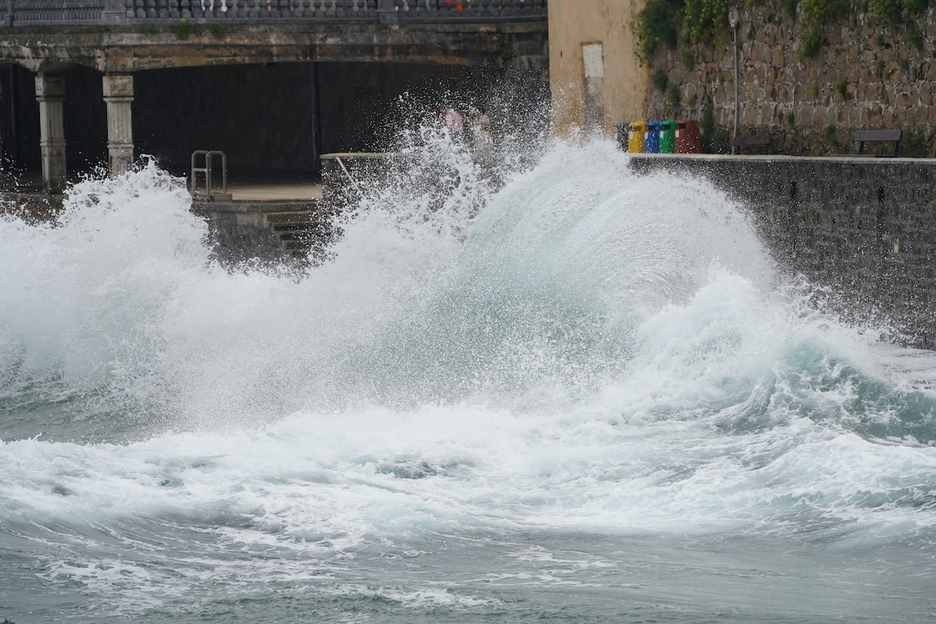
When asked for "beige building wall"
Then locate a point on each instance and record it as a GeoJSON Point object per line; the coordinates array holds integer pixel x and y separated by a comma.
{"type": "Point", "coordinates": [595, 79]}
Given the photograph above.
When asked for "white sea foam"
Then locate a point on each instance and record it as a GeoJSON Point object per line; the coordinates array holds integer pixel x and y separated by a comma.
{"type": "Point", "coordinates": [593, 351]}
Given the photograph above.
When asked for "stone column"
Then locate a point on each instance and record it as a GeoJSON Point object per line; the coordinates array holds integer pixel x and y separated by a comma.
{"type": "Point", "coordinates": [50, 92]}
{"type": "Point", "coordinates": [118, 95]}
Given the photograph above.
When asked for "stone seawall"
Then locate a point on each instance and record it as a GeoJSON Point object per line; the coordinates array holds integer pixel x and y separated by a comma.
{"type": "Point", "coordinates": [866, 74]}
{"type": "Point", "coordinates": [273, 233]}
{"type": "Point", "coordinates": [862, 229]}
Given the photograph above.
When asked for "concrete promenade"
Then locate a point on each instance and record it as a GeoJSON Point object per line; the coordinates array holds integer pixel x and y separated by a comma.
{"type": "Point", "coordinates": [273, 189]}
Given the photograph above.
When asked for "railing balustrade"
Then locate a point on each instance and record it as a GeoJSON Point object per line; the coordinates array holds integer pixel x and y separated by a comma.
{"type": "Point", "coordinates": [52, 11]}
{"type": "Point", "coordinates": [84, 12]}
{"type": "Point", "coordinates": [250, 9]}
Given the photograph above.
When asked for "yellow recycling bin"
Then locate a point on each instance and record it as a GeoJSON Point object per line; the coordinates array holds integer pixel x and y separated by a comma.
{"type": "Point", "coordinates": [635, 137]}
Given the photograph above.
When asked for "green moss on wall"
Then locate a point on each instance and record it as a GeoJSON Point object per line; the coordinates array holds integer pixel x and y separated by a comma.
{"type": "Point", "coordinates": [681, 22]}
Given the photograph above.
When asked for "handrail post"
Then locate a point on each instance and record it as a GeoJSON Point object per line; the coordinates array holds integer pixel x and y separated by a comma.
{"type": "Point", "coordinates": [210, 193]}
{"type": "Point", "coordinates": [193, 183]}
{"type": "Point", "coordinates": [10, 8]}
{"type": "Point", "coordinates": [222, 193]}
{"type": "Point", "coordinates": [208, 175]}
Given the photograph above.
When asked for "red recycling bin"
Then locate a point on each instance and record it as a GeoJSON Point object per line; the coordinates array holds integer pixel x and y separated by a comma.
{"type": "Point", "coordinates": [688, 139]}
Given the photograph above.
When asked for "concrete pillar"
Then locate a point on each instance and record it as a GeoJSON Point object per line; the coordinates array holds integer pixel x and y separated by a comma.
{"type": "Point", "coordinates": [50, 92]}
{"type": "Point", "coordinates": [118, 95]}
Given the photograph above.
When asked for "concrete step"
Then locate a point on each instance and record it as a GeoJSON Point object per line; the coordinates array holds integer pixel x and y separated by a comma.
{"type": "Point", "coordinates": [307, 216]}
{"type": "Point", "coordinates": [305, 226]}
{"type": "Point", "coordinates": [299, 232]}
{"type": "Point", "coordinates": [298, 228]}
{"type": "Point", "coordinates": [260, 207]}
{"type": "Point", "coordinates": [286, 206]}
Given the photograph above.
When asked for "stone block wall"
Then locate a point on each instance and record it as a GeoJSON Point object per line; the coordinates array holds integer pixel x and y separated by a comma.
{"type": "Point", "coordinates": [866, 75]}
{"type": "Point", "coordinates": [290, 234]}
{"type": "Point", "coordinates": [239, 235]}
{"type": "Point", "coordinates": [860, 229]}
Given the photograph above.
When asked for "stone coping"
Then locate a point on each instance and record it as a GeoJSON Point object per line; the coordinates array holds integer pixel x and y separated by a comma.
{"type": "Point", "coordinates": [361, 155]}
{"type": "Point", "coordinates": [839, 158]}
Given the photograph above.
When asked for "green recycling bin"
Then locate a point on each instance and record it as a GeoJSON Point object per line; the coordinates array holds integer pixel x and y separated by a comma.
{"type": "Point", "coordinates": [667, 136]}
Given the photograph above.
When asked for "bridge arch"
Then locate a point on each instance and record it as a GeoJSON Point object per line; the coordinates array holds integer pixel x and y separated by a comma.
{"type": "Point", "coordinates": [182, 71]}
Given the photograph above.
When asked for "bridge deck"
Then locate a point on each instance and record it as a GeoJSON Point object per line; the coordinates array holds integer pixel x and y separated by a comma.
{"type": "Point", "coordinates": [111, 12]}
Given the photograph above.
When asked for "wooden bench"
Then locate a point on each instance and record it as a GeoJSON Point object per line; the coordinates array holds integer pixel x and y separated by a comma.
{"type": "Point", "coordinates": [878, 136]}
{"type": "Point", "coordinates": [756, 140]}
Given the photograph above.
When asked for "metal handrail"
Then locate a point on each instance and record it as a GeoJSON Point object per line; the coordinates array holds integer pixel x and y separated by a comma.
{"type": "Point", "coordinates": [136, 12]}
{"type": "Point", "coordinates": [208, 155]}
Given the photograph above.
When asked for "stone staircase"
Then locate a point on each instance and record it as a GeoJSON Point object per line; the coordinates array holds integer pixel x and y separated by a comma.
{"type": "Point", "coordinates": [300, 227]}
{"type": "Point", "coordinates": [294, 231]}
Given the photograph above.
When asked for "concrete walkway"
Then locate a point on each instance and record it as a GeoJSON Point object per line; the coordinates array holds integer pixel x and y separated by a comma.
{"type": "Point", "coordinates": [275, 191]}
{"type": "Point", "coordinates": [251, 187]}
{"type": "Point", "coordinates": [266, 187]}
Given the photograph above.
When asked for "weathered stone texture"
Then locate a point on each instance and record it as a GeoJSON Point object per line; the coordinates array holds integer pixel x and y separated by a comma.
{"type": "Point", "coordinates": [888, 82]}
{"type": "Point", "coordinates": [128, 49]}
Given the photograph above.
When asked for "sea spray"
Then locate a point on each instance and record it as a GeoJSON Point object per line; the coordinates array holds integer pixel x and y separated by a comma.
{"type": "Point", "coordinates": [584, 394]}
{"type": "Point", "coordinates": [81, 311]}
{"type": "Point", "coordinates": [553, 290]}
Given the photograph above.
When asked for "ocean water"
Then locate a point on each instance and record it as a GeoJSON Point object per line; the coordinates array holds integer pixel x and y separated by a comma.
{"type": "Point", "coordinates": [576, 396]}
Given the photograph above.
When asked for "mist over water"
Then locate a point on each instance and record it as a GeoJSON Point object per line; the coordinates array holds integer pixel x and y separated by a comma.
{"type": "Point", "coordinates": [563, 392]}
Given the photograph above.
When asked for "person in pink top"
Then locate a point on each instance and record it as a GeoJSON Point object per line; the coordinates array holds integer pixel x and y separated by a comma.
{"type": "Point", "coordinates": [453, 121]}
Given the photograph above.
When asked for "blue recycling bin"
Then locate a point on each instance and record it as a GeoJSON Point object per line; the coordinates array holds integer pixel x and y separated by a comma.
{"type": "Point", "coordinates": [652, 138]}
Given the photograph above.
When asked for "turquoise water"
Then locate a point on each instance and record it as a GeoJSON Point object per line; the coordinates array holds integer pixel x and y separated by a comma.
{"type": "Point", "coordinates": [583, 397]}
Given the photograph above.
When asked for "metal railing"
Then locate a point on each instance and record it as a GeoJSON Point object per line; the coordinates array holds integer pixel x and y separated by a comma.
{"type": "Point", "coordinates": [208, 159]}
{"type": "Point", "coordinates": [135, 12]}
